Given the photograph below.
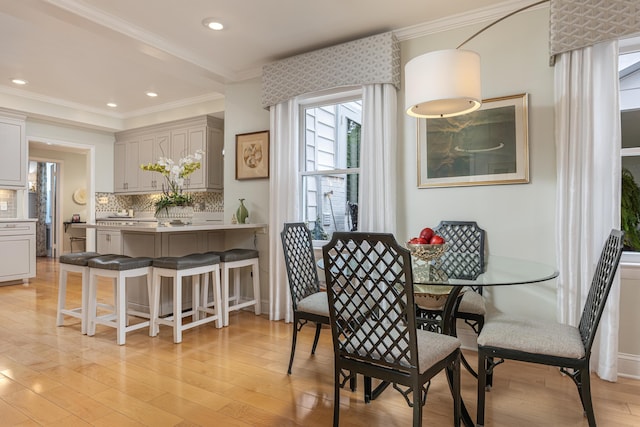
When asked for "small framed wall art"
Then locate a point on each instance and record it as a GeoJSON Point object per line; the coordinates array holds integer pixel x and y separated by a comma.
{"type": "Point", "coordinates": [487, 147]}
{"type": "Point", "coordinates": [252, 155]}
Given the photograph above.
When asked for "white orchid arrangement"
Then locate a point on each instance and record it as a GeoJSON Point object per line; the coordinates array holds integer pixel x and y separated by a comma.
{"type": "Point", "coordinates": [174, 174]}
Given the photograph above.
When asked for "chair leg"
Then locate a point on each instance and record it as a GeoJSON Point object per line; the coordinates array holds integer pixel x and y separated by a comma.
{"type": "Point", "coordinates": [336, 397]}
{"type": "Point", "coordinates": [457, 399]}
{"type": "Point", "coordinates": [367, 388]}
{"type": "Point", "coordinates": [62, 294]}
{"type": "Point", "coordinates": [256, 287]}
{"type": "Point", "coordinates": [293, 342]}
{"type": "Point", "coordinates": [121, 310]}
{"type": "Point", "coordinates": [417, 404]}
{"type": "Point", "coordinates": [482, 379]}
{"type": "Point", "coordinates": [315, 339]}
{"type": "Point", "coordinates": [585, 396]}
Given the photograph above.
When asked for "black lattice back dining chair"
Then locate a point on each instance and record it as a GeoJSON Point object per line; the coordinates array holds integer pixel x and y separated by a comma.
{"type": "Point", "coordinates": [553, 344]}
{"type": "Point", "coordinates": [308, 301]}
{"type": "Point", "coordinates": [371, 308]}
{"type": "Point", "coordinates": [464, 259]}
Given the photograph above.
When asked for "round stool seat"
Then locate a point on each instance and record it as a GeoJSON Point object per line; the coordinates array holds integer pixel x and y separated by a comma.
{"type": "Point", "coordinates": [78, 258]}
{"type": "Point", "coordinates": [187, 261]}
{"type": "Point", "coordinates": [236, 254]}
{"type": "Point", "coordinates": [119, 262]}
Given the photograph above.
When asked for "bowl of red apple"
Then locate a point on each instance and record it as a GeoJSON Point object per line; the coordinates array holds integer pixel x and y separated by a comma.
{"type": "Point", "coordinates": [427, 246]}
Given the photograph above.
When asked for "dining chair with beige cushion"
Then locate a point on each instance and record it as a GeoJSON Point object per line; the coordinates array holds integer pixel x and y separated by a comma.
{"type": "Point", "coordinates": [373, 323]}
{"type": "Point", "coordinates": [308, 301]}
{"type": "Point", "coordinates": [553, 344]}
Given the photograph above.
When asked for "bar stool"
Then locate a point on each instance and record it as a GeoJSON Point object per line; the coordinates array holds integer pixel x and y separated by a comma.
{"type": "Point", "coordinates": [233, 260]}
{"type": "Point", "coordinates": [119, 268]}
{"type": "Point", "coordinates": [177, 268]}
{"type": "Point", "coordinates": [74, 263]}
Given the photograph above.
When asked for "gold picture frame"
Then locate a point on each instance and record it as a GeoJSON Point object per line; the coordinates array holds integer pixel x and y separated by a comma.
{"type": "Point", "coordinates": [252, 155]}
{"type": "Point", "coordinates": [486, 147]}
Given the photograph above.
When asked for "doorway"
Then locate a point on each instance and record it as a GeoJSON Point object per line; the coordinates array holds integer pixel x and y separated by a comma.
{"type": "Point", "coordinates": [43, 205]}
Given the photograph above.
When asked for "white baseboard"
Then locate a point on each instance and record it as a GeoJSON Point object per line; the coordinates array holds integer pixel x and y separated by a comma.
{"type": "Point", "coordinates": [629, 365]}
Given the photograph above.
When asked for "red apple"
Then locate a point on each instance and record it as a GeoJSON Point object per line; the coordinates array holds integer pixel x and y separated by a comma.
{"type": "Point", "coordinates": [426, 234]}
{"type": "Point", "coordinates": [436, 240]}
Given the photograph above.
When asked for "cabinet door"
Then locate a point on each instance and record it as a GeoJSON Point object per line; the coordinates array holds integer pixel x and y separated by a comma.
{"type": "Point", "coordinates": [151, 148]}
{"type": "Point", "coordinates": [197, 141]}
{"type": "Point", "coordinates": [13, 162]}
{"type": "Point", "coordinates": [109, 242]}
{"type": "Point", "coordinates": [215, 159]}
{"type": "Point", "coordinates": [126, 166]}
{"type": "Point", "coordinates": [119, 165]}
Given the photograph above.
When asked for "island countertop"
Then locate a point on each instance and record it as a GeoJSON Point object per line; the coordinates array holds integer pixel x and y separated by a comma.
{"type": "Point", "coordinates": [153, 227]}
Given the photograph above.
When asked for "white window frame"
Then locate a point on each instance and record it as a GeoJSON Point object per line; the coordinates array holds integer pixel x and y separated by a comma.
{"type": "Point", "coordinates": [319, 99]}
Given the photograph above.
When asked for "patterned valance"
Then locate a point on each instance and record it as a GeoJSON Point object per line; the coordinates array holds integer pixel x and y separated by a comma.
{"type": "Point", "coordinates": [575, 24]}
{"type": "Point", "coordinates": [374, 59]}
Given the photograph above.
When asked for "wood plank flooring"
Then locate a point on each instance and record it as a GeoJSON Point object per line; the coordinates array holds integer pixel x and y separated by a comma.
{"type": "Point", "coordinates": [236, 376]}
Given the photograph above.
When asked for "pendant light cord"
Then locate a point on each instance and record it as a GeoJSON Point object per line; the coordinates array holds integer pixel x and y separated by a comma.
{"type": "Point", "coordinates": [499, 20]}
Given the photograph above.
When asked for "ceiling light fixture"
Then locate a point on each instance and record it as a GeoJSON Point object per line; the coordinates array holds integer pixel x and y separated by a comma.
{"type": "Point", "coordinates": [112, 104]}
{"type": "Point", "coordinates": [20, 82]}
{"type": "Point", "coordinates": [446, 83]}
{"type": "Point", "coordinates": [152, 94]}
{"type": "Point", "coordinates": [212, 24]}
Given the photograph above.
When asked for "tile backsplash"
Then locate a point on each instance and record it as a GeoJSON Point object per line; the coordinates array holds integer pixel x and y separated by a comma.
{"type": "Point", "coordinates": [203, 202]}
{"type": "Point", "coordinates": [10, 198]}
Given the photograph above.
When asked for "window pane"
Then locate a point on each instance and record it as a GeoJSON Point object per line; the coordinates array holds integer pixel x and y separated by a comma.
{"type": "Point", "coordinates": [630, 127]}
{"type": "Point", "coordinates": [330, 204]}
{"type": "Point", "coordinates": [630, 203]}
{"type": "Point", "coordinates": [331, 146]}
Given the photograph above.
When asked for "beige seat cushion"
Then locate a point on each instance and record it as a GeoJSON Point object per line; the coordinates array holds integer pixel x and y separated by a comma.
{"type": "Point", "coordinates": [374, 342]}
{"type": "Point", "coordinates": [472, 302]}
{"type": "Point", "coordinates": [531, 336]}
{"type": "Point", "coordinates": [315, 303]}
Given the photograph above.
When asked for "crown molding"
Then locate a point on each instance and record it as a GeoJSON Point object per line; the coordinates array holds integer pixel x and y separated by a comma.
{"type": "Point", "coordinates": [464, 19]}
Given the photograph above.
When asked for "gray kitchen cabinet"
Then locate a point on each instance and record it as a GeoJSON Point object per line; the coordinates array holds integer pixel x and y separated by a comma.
{"type": "Point", "coordinates": [126, 166]}
{"type": "Point", "coordinates": [13, 162]}
{"type": "Point", "coordinates": [109, 242]}
{"type": "Point", "coordinates": [174, 140]}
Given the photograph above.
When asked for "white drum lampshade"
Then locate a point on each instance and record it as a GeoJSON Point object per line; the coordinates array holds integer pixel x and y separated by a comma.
{"type": "Point", "coordinates": [443, 83]}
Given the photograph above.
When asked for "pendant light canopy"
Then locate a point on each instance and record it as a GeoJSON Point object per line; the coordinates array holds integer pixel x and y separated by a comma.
{"type": "Point", "coordinates": [443, 83]}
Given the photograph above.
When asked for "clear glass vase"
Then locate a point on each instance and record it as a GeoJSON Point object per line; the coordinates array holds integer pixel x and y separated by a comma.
{"type": "Point", "coordinates": [175, 215]}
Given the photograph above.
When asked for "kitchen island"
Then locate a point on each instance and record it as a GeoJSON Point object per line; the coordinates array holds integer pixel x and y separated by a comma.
{"type": "Point", "coordinates": [149, 239]}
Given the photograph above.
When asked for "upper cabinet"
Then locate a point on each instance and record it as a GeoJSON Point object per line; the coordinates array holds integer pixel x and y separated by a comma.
{"type": "Point", "coordinates": [13, 144]}
{"type": "Point", "coordinates": [174, 140]}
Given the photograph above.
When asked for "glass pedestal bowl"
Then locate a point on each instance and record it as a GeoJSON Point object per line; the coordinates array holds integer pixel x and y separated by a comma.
{"type": "Point", "coordinates": [426, 253]}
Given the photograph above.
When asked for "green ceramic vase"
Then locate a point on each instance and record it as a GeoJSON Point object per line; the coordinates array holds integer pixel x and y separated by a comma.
{"type": "Point", "coordinates": [242, 213]}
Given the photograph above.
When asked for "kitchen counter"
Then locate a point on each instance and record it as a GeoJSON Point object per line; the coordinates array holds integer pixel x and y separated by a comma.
{"type": "Point", "coordinates": [153, 227]}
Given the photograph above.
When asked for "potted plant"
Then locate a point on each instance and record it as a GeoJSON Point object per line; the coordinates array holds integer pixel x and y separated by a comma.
{"type": "Point", "coordinates": [630, 211]}
{"type": "Point", "coordinates": [174, 204]}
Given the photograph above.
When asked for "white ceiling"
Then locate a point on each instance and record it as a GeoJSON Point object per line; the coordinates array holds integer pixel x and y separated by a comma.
{"type": "Point", "coordinates": [81, 54]}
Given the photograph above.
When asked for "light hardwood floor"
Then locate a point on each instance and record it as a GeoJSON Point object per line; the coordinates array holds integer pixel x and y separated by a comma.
{"type": "Point", "coordinates": [236, 376]}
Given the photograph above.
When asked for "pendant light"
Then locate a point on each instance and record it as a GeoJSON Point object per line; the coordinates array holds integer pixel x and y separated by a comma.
{"type": "Point", "coordinates": [446, 83]}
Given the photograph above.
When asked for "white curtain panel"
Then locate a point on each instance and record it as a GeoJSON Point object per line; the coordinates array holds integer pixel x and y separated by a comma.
{"type": "Point", "coordinates": [588, 177]}
{"type": "Point", "coordinates": [284, 201]}
{"type": "Point", "coordinates": [378, 159]}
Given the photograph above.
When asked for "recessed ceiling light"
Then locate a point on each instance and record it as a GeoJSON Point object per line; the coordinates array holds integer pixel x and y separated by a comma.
{"type": "Point", "coordinates": [19, 81]}
{"type": "Point", "coordinates": [212, 24]}
{"type": "Point", "coordinates": [112, 104]}
{"type": "Point", "coordinates": [152, 94]}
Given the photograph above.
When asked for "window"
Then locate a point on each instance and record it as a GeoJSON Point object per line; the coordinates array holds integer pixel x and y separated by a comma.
{"type": "Point", "coordinates": [629, 71]}
{"type": "Point", "coordinates": [329, 165]}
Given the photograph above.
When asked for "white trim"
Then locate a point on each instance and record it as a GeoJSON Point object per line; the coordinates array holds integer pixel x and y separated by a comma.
{"type": "Point", "coordinates": [629, 366]}
{"type": "Point", "coordinates": [463, 20]}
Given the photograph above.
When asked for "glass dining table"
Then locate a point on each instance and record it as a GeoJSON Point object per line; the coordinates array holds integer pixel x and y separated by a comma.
{"type": "Point", "coordinates": [445, 279]}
